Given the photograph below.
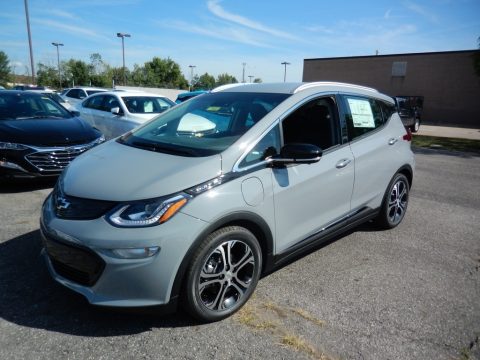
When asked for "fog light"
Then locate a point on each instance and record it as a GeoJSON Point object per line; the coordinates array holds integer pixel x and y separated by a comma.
{"type": "Point", "coordinates": [134, 253]}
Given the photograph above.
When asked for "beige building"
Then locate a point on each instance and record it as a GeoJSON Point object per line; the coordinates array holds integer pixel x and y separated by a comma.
{"type": "Point", "coordinates": [447, 81]}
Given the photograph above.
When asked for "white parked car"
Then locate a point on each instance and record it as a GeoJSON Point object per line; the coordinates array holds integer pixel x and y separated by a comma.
{"type": "Point", "coordinates": [117, 112]}
{"type": "Point", "coordinates": [75, 95]}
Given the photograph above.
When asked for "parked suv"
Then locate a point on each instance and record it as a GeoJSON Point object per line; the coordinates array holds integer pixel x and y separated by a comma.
{"type": "Point", "coordinates": [410, 110]}
{"type": "Point", "coordinates": [203, 199]}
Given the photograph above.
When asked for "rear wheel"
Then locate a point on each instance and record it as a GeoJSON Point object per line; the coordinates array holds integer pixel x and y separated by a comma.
{"type": "Point", "coordinates": [416, 125]}
{"type": "Point", "coordinates": [395, 202]}
{"type": "Point", "coordinates": [222, 274]}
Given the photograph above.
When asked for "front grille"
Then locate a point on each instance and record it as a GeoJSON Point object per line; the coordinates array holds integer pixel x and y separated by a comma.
{"type": "Point", "coordinates": [74, 262]}
{"type": "Point", "coordinates": [75, 208]}
{"type": "Point", "coordinates": [55, 160]}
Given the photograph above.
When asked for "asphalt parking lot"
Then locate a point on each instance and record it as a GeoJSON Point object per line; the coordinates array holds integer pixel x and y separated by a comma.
{"type": "Point", "coordinates": [409, 293]}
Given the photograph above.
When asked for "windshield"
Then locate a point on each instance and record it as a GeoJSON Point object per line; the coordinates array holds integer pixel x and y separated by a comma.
{"type": "Point", "coordinates": [147, 104]}
{"type": "Point", "coordinates": [206, 125]}
{"type": "Point", "coordinates": [26, 106]}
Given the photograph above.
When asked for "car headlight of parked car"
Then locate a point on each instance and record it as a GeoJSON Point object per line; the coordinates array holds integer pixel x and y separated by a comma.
{"type": "Point", "coordinates": [148, 212]}
{"type": "Point", "coordinates": [12, 146]}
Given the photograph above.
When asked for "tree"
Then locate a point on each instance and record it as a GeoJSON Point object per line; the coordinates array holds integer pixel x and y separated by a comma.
{"type": "Point", "coordinates": [78, 70]}
{"type": "Point", "coordinates": [204, 82]}
{"type": "Point", "coordinates": [164, 73]}
{"type": "Point", "coordinates": [98, 71]}
{"type": "Point", "coordinates": [225, 78]}
{"type": "Point", "coordinates": [4, 69]}
{"type": "Point", "coordinates": [257, 80]}
{"type": "Point", "coordinates": [47, 75]}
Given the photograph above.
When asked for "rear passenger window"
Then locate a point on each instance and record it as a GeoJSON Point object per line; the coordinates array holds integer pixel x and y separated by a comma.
{"type": "Point", "coordinates": [95, 102]}
{"type": "Point", "coordinates": [363, 115]}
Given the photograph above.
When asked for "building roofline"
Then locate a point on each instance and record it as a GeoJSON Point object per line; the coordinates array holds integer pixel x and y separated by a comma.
{"type": "Point", "coordinates": [392, 55]}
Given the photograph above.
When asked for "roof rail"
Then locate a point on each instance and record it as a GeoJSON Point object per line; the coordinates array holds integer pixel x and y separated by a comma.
{"type": "Point", "coordinates": [332, 83]}
{"type": "Point", "coordinates": [227, 86]}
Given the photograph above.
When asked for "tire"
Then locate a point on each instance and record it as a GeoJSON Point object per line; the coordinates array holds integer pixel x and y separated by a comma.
{"type": "Point", "coordinates": [395, 202]}
{"type": "Point", "coordinates": [416, 126]}
{"type": "Point", "coordinates": [222, 274]}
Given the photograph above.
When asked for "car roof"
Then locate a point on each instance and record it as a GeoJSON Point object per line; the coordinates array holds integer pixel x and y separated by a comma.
{"type": "Point", "coordinates": [87, 88]}
{"type": "Point", "coordinates": [298, 87]}
{"type": "Point", "coordinates": [130, 93]}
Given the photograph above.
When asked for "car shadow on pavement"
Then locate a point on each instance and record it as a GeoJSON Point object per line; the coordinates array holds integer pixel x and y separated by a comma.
{"type": "Point", "coordinates": [30, 297]}
{"type": "Point", "coordinates": [10, 186]}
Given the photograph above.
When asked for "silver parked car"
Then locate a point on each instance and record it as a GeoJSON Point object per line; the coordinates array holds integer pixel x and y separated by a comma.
{"type": "Point", "coordinates": [116, 112]}
{"type": "Point", "coordinates": [75, 95]}
{"type": "Point", "coordinates": [199, 202]}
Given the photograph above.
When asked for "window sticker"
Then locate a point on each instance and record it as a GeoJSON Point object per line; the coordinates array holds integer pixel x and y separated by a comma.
{"type": "Point", "coordinates": [361, 113]}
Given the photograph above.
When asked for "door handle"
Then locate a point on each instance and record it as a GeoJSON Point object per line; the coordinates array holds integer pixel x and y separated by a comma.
{"type": "Point", "coordinates": [392, 141]}
{"type": "Point", "coordinates": [342, 163]}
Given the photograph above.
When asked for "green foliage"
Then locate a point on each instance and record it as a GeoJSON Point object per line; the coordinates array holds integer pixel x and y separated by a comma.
{"type": "Point", "coordinates": [225, 78]}
{"type": "Point", "coordinates": [4, 69]}
{"type": "Point", "coordinates": [47, 75]}
{"type": "Point", "coordinates": [257, 80]}
{"type": "Point", "coordinates": [204, 82]}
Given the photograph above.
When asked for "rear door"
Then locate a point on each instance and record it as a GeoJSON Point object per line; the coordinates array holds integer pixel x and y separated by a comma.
{"type": "Point", "coordinates": [374, 142]}
{"type": "Point", "coordinates": [312, 198]}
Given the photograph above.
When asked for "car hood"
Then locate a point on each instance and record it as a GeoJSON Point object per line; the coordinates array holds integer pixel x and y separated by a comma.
{"type": "Point", "coordinates": [117, 172]}
{"type": "Point", "coordinates": [47, 132]}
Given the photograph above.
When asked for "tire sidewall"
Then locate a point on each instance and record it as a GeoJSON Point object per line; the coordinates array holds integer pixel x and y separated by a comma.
{"type": "Point", "coordinates": [194, 304]}
{"type": "Point", "coordinates": [384, 220]}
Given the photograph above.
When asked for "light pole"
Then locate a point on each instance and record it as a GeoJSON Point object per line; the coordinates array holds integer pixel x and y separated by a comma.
{"type": "Point", "coordinates": [250, 77]}
{"type": "Point", "coordinates": [285, 72]}
{"type": "Point", "coordinates": [243, 72]}
{"type": "Point", "coordinates": [123, 36]}
{"type": "Point", "coordinates": [30, 41]}
{"type": "Point", "coordinates": [58, 62]}
{"type": "Point", "coordinates": [191, 75]}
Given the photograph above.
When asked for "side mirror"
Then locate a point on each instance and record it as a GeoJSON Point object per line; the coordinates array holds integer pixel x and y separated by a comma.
{"type": "Point", "coordinates": [116, 111]}
{"type": "Point", "coordinates": [75, 113]}
{"type": "Point", "coordinates": [298, 153]}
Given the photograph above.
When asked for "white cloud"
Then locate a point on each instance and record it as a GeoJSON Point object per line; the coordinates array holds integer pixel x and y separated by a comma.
{"type": "Point", "coordinates": [76, 30]}
{"type": "Point", "coordinates": [61, 13]}
{"type": "Point", "coordinates": [429, 15]}
{"type": "Point", "coordinates": [216, 9]}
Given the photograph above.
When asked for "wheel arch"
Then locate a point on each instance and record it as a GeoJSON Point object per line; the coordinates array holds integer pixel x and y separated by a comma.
{"type": "Point", "coordinates": [251, 221]}
{"type": "Point", "coordinates": [408, 172]}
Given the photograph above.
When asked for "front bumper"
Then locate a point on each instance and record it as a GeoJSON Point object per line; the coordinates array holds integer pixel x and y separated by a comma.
{"type": "Point", "coordinates": [111, 281]}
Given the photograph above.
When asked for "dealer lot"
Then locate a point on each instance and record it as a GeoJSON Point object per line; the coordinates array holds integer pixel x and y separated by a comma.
{"type": "Point", "coordinates": [409, 293]}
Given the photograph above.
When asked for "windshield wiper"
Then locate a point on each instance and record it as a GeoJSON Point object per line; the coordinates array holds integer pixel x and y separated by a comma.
{"type": "Point", "coordinates": [163, 148]}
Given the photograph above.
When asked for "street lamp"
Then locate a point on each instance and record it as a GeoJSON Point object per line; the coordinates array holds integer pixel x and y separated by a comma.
{"type": "Point", "coordinates": [191, 75]}
{"type": "Point", "coordinates": [243, 72]}
{"type": "Point", "coordinates": [285, 73]}
{"type": "Point", "coordinates": [250, 77]}
{"type": "Point", "coordinates": [58, 62]}
{"type": "Point", "coordinates": [123, 36]}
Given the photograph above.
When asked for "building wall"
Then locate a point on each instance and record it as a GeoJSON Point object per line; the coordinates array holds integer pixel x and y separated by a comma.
{"type": "Point", "coordinates": [447, 80]}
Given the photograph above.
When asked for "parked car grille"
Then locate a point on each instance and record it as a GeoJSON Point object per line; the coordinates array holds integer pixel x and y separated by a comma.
{"type": "Point", "coordinates": [56, 159]}
{"type": "Point", "coordinates": [73, 262]}
{"type": "Point", "coordinates": [75, 208]}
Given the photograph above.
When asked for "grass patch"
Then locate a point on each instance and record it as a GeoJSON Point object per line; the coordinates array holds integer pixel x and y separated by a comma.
{"type": "Point", "coordinates": [248, 316]}
{"type": "Point", "coordinates": [465, 145]}
{"type": "Point", "coordinates": [301, 345]}
{"type": "Point", "coordinates": [307, 316]}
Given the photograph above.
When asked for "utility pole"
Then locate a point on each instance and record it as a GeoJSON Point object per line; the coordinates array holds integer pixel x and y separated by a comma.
{"type": "Point", "coordinates": [58, 62]}
{"type": "Point", "coordinates": [243, 72]}
{"type": "Point", "coordinates": [30, 41]}
{"type": "Point", "coordinates": [285, 72]}
{"type": "Point", "coordinates": [191, 76]}
{"type": "Point", "coordinates": [123, 36]}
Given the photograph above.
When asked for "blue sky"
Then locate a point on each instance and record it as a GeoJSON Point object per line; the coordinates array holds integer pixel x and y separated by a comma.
{"type": "Point", "coordinates": [217, 36]}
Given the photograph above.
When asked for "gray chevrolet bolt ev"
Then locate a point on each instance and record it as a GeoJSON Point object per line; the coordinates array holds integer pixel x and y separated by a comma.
{"type": "Point", "coordinates": [202, 200]}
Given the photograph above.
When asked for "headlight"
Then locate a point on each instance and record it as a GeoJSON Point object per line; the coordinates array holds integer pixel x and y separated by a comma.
{"type": "Point", "coordinates": [100, 140]}
{"type": "Point", "coordinates": [148, 212]}
{"type": "Point", "coordinates": [12, 146]}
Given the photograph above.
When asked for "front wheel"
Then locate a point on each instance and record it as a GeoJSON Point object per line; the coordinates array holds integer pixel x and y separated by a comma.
{"type": "Point", "coordinates": [395, 202]}
{"type": "Point", "coordinates": [223, 274]}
